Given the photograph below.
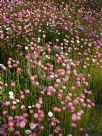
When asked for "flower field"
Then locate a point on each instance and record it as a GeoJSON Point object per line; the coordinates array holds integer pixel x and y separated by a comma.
{"type": "Point", "coordinates": [50, 68]}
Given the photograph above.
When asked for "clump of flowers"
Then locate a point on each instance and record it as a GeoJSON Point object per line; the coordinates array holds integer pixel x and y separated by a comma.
{"type": "Point", "coordinates": [44, 78]}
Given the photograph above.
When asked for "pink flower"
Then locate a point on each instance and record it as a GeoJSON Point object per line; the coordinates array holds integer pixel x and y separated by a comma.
{"type": "Point", "coordinates": [19, 70]}
{"type": "Point", "coordinates": [58, 80]}
{"type": "Point", "coordinates": [7, 103]}
{"type": "Point", "coordinates": [49, 93]}
{"type": "Point", "coordinates": [22, 124]}
{"type": "Point", "coordinates": [35, 115]}
{"type": "Point", "coordinates": [75, 101]}
{"type": "Point", "coordinates": [73, 125]}
{"type": "Point", "coordinates": [81, 129]}
{"type": "Point", "coordinates": [23, 107]}
{"type": "Point", "coordinates": [74, 117]}
{"type": "Point", "coordinates": [58, 130]}
{"type": "Point", "coordinates": [13, 107]}
{"type": "Point", "coordinates": [22, 96]}
{"type": "Point", "coordinates": [56, 109]}
{"type": "Point", "coordinates": [70, 104]}
{"type": "Point", "coordinates": [38, 106]}
{"type": "Point", "coordinates": [13, 84]}
{"type": "Point", "coordinates": [68, 98]}
{"type": "Point", "coordinates": [72, 109]}
{"type": "Point", "coordinates": [41, 116]}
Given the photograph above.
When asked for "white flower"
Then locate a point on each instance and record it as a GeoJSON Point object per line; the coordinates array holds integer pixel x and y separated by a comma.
{"type": "Point", "coordinates": [72, 41]}
{"type": "Point", "coordinates": [11, 97]}
{"type": "Point", "coordinates": [66, 53]}
{"type": "Point", "coordinates": [78, 41]}
{"type": "Point", "coordinates": [90, 44]}
{"type": "Point", "coordinates": [69, 135]}
{"type": "Point", "coordinates": [8, 28]}
{"type": "Point", "coordinates": [51, 76]}
{"type": "Point", "coordinates": [86, 134]}
{"type": "Point", "coordinates": [100, 33]}
{"type": "Point", "coordinates": [50, 114]}
{"type": "Point", "coordinates": [18, 100]}
{"type": "Point", "coordinates": [67, 41]}
{"type": "Point", "coordinates": [1, 31]}
{"type": "Point", "coordinates": [14, 102]}
{"type": "Point", "coordinates": [78, 113]}
{"type": "Point", "coordinates": [26, 48]}
{"type": "Point", "coordinates": [81, 111]}
{"type": "Point", "coordinates": [29, 107]}
{"type": "Point", "coordinates": [61, 48]}
{"type": "Point", "coordinates": [38, 39]}
{"type": "Point", "coordinates": [11, 93]}
{"type": "Point", "coordinates": [32, 48]}
{"type": "Point", "coordinates": [2, 67]}
{"type": "Point", "coordinates": [61, 53]}
{"type": "Point", "coordinates": [0, 88]}
{"type": "Point", "coordinates": [27, 131]}
{"type": "Point", "coordinates": [32, 126]}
